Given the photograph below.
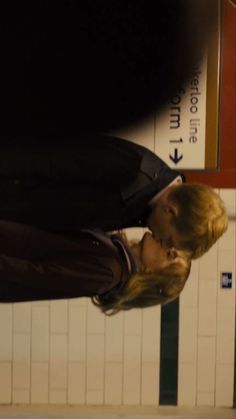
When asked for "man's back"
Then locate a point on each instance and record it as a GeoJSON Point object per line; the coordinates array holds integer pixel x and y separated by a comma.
{"type": "Point", "coordinates": [102, 182]}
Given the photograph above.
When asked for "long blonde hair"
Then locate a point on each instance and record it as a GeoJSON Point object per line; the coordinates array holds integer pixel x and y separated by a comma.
{"type": "Point", "coordinates": [146, 289]}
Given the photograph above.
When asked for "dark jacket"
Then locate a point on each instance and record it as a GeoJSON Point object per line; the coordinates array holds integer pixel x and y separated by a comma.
{"type": "Point", "coordinates": [35, 265]}
{"type": "Point", "coordinates": [103, 182]}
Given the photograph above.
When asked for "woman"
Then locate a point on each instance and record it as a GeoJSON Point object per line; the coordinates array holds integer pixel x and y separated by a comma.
{"type": "Point", "coordinates": [160, 276]}
{"type": "Point", "coordinates": [36, 265]}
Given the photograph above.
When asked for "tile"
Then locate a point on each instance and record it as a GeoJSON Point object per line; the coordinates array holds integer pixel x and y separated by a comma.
{"type": "Point", "coordinates": [207, 308]}
{"type": "Point", "coordinates": [132, 370]}
{"type": "Point", "coordinates": [58, 362]}
{"type": "Point", "coordinates": [22, 347]}
{"type": "Point", "coordinates": [224, 385]}
{"type": "Point", "coordinates": [5, 382]}
{"type": "Point", "coordinates": [208, 265]}
{"type": "Point", "coordinates": [58, 375]}
{"type": "Point", "coordinates": [206, 365]}
{"type": "Point", "coordinates": [114, 339]}
{"type": "Point", "coordinates": [95, 320]}
{"type": "Point", "coordinates": [228, 196]}
{"type": "Point", "coordinates": [95, 376]}
{"type": "Point", "coordinates": [225, 342]}
{"type": "Point", "coordinates": [151, 334]}
{"type": "Point", "coordinates": [42, 303]}
{"type": "Point", "coordinates": [58, 397]}
{"type": "Point", "coordinates": [76, 382]}
{"type": "Point", "coordinates": [79, 302]}
{"type": "Point", "coordinates": [227, 260]}
{"type": "Point", "coordinates": [187, 384]}
{"type": "Point", "coordinates": [188, 334]}
{"type": "Point", "coordinates": [226, 297]}
{"type": "Point", "coordinates": [206, 399]}
{"type": "Point", "coordinates": [21, 375]}
{"type": "Point", "coordinates": [22, 318]}
{"type": "Point", "coordinates": [150, 384]}
{"type": "Point", "coordinates": [189, 295]}
{"type": "Point", "coordinates": [77, 333]}
{"type": "Point", "coordinates": [58, 347]}
{"type": "Point", "coordinates": [132, 349]}
{"type": "Point", "coordinates": [231, 211]}
{"type": "Point", "coordinates": [133, 322]}
{"type": "Point", "coordinates": [21, 396]}
{"type": "Point", "coordinates": [95, 362]}
{"type": "Point", "coordinates": [113, 383]}
{"type": "Point", "coordinates": [94, 397]}
{"type": "Point", "coordinates": [95, 347]}
{"type": "Point", "coordinates": [39, 383]}
{"type": "Point", "coordinates": [59, 316]}
{"type": "Point", "coordinates": [6, 330]}
{"type": "Point", "coordinates": [228, 240]}
{"type": "Point", "coordinates": [40, 333]}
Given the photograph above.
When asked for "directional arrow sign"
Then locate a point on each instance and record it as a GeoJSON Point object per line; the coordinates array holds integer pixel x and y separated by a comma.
{"type": "Point", "coordinates": [176, 158]}
{"type": "Point", "coordinates": [180, 140]}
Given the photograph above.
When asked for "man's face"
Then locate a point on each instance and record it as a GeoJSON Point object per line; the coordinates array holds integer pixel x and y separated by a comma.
{"type": "Point", "coordinates": [160, 222]}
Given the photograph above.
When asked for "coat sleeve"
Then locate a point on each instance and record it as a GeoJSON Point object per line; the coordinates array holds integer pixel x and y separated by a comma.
{"type": "Point", "coordinates": [23, 241]}
{"type": "Point", "coordinates": [104, 158]}
{"type": "Point", "coordinates": [38, 265]}
{"type": "Point", "coordinates": [69, 277]}
{"type": "Point", "coordinates": [81, 159]}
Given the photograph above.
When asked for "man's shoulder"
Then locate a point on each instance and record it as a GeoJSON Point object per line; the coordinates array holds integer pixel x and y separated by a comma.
{"type": "Point", "coordinates": [149, 160]}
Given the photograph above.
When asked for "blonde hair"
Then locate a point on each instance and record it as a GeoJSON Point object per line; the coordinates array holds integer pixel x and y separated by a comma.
{"type": "Point", "coordinates": [146, 289]}
{"type": "Point", "coordinates": [201, 216]}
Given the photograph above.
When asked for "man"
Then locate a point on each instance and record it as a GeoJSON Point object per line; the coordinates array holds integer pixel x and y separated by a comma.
{"type": "Point", "coordinates": [188, 216]}
{"type": "Point", "coordinates": [107, 183]}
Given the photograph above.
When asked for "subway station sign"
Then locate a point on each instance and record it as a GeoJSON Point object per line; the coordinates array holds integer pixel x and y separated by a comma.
{"type": "Point", "coordinates": [186, 133]}
{"type": "Point", "coordinates": [180, 130]}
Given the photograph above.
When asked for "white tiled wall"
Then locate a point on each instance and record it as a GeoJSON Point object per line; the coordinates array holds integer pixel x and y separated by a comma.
{"type": "Point", "coordinates": [207, 324]}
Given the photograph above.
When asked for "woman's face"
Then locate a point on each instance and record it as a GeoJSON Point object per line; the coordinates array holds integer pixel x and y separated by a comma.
{"type": "Point", "coordinates": [153, 256]}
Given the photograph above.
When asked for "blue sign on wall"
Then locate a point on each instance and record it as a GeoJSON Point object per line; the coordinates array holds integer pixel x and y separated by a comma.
{"type": "Point", "coordinates": [226, 279]}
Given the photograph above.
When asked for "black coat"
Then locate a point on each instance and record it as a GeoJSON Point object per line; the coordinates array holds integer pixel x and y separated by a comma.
{"type": "Point", "coordinates": [104, 182]}
{"type": "Point", "coordinates": [35, 265]}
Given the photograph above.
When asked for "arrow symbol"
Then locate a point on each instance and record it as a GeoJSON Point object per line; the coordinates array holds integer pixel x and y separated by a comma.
{"type": "Point", "coordinates": [176, 158]}
{"type": "Point", "coordinates": [177, 141]}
